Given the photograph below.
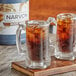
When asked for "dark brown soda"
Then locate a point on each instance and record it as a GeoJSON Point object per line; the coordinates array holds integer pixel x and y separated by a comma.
{"type": "Point", "coordinates": [34, 37]}
{"type": "Point", "coordinates": [65, 35]}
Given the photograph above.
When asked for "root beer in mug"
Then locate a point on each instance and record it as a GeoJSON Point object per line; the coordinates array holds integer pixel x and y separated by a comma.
{"type": "Point", "coordinates": [65, 36]}
{"type": "Point", "coordinates": [36, 37]}
{"type": "Point", "coordinates": [37, 44]}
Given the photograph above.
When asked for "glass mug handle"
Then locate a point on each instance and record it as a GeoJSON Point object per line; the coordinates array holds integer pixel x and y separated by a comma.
{"type": "Point", "coordinates": [52, 22]}
{"type": "Point", "coordinates": [18, 37]}
{"type": "Point", "coordinates": [18, 43]}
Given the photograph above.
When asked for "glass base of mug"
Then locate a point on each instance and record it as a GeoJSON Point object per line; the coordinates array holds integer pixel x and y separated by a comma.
{"type": "Point", "coordinates": [40, 65]}
{"type": "Point", "coordinates": [64, 56]}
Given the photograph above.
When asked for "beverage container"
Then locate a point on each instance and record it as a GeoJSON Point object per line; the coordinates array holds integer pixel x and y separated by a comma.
{"type": "Point", "coordinates": [12, 12]}
{"type": "Point", "coordinates": [65, 36]}
{"type": "Point", "coordinates": [37, 44]}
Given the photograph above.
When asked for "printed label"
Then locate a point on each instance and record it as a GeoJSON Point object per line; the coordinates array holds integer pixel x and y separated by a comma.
{"type": "Point", "coordinates": [11, 15]}
{"type": "Point", "coordinates": [15, 17]}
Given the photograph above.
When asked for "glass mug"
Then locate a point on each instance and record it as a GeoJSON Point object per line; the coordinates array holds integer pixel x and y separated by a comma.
{"type": "Point", "coordinates": [65, 36]}
{"type": "Point", "coordinates": [37, 43]}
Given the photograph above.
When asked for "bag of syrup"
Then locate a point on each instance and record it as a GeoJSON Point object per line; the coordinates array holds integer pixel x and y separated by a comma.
{"type": "Point", "coordinates": [12, 12]}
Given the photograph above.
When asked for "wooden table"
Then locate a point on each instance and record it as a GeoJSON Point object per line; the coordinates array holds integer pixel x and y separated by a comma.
{"type": "Point", "coordinates": [9, 54]}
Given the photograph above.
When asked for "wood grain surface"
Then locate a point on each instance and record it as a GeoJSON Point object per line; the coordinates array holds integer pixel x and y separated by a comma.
{"type": "Point", "coordinates": [42, 9]}
{"type": "Point", "coordinates": [56, 67]}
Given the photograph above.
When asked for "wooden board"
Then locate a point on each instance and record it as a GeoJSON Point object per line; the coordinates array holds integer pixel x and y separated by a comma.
{"type": "Point", "coordinates": [57, 66]}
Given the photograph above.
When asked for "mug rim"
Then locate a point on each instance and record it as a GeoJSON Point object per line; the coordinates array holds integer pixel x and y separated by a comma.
{"type": "Point", "coordinates": [68, 15]}
{"type": "Point", "coordinates": [36, 22]}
